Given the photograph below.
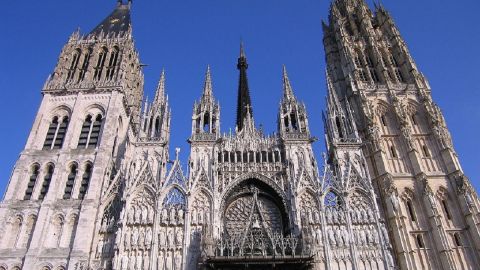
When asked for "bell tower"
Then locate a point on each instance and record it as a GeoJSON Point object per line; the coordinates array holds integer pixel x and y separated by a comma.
{"type": "Point", "coordinates": [391, 117]}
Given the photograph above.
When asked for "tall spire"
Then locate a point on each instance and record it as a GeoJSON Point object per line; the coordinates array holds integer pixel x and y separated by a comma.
{"type": "Point", "coordinates": [117, 22]}
{"type": "Point", "coordinates": [244, 103]}
{"type": "Point", "coordinates": [207, 88]}
{"type": "Point", "coordinates": [287, 88]}
{"type": "Point", "coordinates": [160, 92]}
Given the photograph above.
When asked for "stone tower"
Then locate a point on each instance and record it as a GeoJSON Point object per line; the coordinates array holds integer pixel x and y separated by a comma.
{"type": "Point", "coordinates": [90, 106]}
{"type": "Point", "coordinates": [386, 116]}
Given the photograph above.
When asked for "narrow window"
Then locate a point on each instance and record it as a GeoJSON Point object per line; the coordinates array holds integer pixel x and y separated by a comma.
{"type": "Point", "coordinates": [277, 156]}
{"type": "Point", "coordinates": [420, 242]}
{"type": "Point", "coordinates": [82, 142]}
{"type": "Point", "coordinates": [73, 65]}
{"type": "Point", "coordinates": [398, 74]}
{"type": "Point", "coordinates": [445, 208]}
{"type": "Point", "coordinates": [383, 119]}
{"type": "Point", "coordinates": [85, 181]}
{"type": "Point", "coordinates": [270, 156]}
{"type": "Point", "coordinates": [373, 74]}
{"type": "Point", "coordinates": [239, 156]}
{"type": "Point", "coordinates": [60, 136]}
{"type": "Point", "coordinates": [245, 157]}
{"type": "Point", "coordinates": [52, 130]}
{"type": "Point", "coordinates": [100, 64]}
{"type": "Point", "coordinates": [70, 182]}
{"type": "Point", "coordinates": [95, 133]}
{"type": "Point", "coordinates": [393, 152]}
{"type": "Point", "coordinates": [225, 156]}
{"type": "Point", "coordinates": [357, 61]}
{"type": "Point", "coordinates": [414, 119]}
{"type": "Point", "coordinates": [219, 157]}
{"type": "Point", "coordinates": [232, 157]}
{"type": "Point", "coordinates": [112, 64]}
{"type": "Point", "coordinates": [86, 61]}
{"type": "Point", "coordinates": [410, 211]}
{"type": "Point", "coordinates": [264, 156]}
{"type": "Point", "coordinates": [250, 157]}
{"type": "Point", "coordinates": [46, 182]}
{"type": "Point", "coordinates": [457, 239]}
{"type": "Point", "coordinates": [157, 127]}
{"type": "Point", "coordinates": [426, 153]}
{"type": "Point", "coordinates": [369, 62]}
{"type": "Point", "coordinates": [257, 157]}
{"type": "Point", "coordinates": [90, 132]}
{"type": "Point", "coordinates": [31, 182]}
{"type": "Point", "coordinates": [393, 61]}
{"type": "Point", "coordinates": [362, 75]}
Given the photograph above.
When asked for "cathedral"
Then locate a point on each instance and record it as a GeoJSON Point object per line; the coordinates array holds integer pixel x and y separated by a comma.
{"type": "Point", "coordinates": [95, 187]}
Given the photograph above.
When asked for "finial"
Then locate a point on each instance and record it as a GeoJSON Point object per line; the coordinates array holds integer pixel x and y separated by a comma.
{"type": "Point", "coordinates": [287, 88]}
{"type": "Point", "coordinates": [242, 51]}
{"type": "Point", "coordinates": [207, 88]}
{"type": "Point", "coordinates": [177, 153]}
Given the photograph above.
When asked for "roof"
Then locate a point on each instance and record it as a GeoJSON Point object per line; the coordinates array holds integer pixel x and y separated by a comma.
{"type": "Point", "coordinates": [118, 21]}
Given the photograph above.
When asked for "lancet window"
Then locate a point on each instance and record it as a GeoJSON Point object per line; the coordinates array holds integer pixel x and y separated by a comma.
{"type": "Point", "coordinates": [90, 132]}
{"type": "Point", "coordinates": [85, 181]}
{"type": "Point", "coordinates": [70, 182]}
{"type": "Point", "coordinates": [86, 61]}
{"type": "Point", "coordinates": [34, 172]}
{"type": "Point", "coordinates": [56, 133]}
{"type": "Point", "coordinates": [112, 64]}
{"type": "Point", "coordinates": [100, 64]}
{"type": "Point", "coordinates": [46, 181]}
{"type": "Point", "coordinates": [73, 65]}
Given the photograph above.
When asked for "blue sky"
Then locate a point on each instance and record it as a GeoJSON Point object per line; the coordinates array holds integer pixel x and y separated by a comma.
{"type": "Point", "coordinates": [183, 36]}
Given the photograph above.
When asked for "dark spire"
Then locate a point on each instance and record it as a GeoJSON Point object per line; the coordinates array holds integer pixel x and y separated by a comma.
{"type": "Point", "coordinates": [118, 21]}
{"type": "Point", "coordinates": [244, 103]}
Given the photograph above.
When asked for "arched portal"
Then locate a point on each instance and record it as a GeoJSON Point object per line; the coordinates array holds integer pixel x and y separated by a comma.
{"type": "Point", "coordinates": [253, 203]}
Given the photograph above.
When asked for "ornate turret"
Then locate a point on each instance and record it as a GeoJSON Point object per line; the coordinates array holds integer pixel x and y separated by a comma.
{"type": "Point", "coordinates": [206, 113]}
{"type": "Point", "coordinates": [292, 118]}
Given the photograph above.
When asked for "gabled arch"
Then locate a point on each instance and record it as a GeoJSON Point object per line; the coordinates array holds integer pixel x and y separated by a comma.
{"type": "Point", "coordinates": [252, 175]}
{"type": "Point", "coordinates": [175, 195]}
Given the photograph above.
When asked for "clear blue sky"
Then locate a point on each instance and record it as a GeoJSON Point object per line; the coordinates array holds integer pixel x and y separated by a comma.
{"type": "Point", "coordinates": [183, 36]}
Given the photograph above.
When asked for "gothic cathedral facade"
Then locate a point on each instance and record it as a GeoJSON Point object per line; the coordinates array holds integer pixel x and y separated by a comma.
{"type": "Point", "coordinates": [95, 188]}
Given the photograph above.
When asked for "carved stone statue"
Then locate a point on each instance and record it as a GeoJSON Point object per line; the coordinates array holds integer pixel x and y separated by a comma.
{"type": "Point", "coordinates": [394, 201]}
{"type": "Point", "coordinates": [148, 238]}
{"type": "Point", "coordinates": [179, 237]}
{"type": "Point", "coordinates": [162, 239]}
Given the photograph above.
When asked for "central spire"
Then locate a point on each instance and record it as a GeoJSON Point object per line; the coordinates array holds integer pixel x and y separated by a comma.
{"type": "Point", "coordinates": [244, 103]}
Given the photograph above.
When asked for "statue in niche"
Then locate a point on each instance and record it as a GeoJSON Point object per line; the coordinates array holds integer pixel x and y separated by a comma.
{"type": "Point", "coordinates": [363, 237]}
{"type": "Point", "coordinates": [107, 247]}
{"type": "Point", "coordinates": [194, 216]}
{"type": "Point", "coordinates": [169, 263]}
{"type": "Point", "coordinates": [134, 239]}
{"type": "Point", "coordinates": [331, 237]}
{"type": "Point", "coordinates": [317, 217]}
{"type": "Point", "coordinates": [139, 261]}
{"type": "Point", "coordinates": [148, 237]}
{"type": "Point", "coordinates": [341, 216]}
{"type": "Point", "coordinates": [118, 237]}
{"type": "Point", "coordinates": [124, 262]}
{"type": "Point", "coordinates": [179, 237]}
{"type": "Point", "coordinates": [170, 238]}
{"type": "Point", "coordinates": [338, 237]}
{"type": "Point", "coordinates": [161, 260]}
{"type": "Point", "coordinates": [173, 218]}
{"type": "Point", "coordinates": [180, 216]}
{"type": "Point", "coordinates": [363, 216]}
{"type": "Point", "coordinates": [138, 214]}
{"type": "Point", "coordinates": [335, 216]}
{"type": "Point", "coordinates": [127, 238]}
{"type": "Point", "coordinates": [141, 238]}
{"type": "Point", "coordinates": [164, 216]}
{"type": "Point", "coordinates": [371, 216]}
{"type": "Point", "coordinates": [207, 217]}
{"type": "Point", "coordinates": [144, 215]}
{"type": "Point", "coordinates": [150, 215]}
{"type": "Point", "coordinates": [394, 201]}
{"type": "Point", "coordinates": [162, 239]}
{"type": "Point", "coordinates": [131, 261]}
{"type": "Point", "coordinates": [319, 236]}
{"type": "Point", "coordinates": [200, 217]}
{"type": "Point", "coordinates": [131, 216]}
{"type": "Point", "coordinates": [146, 261]}
{"type": "Point", "coordinates": [178, 260]}
{"type": "Point", "coordinates": [99, 248]}
{"type": "Point", "coordinates": [374, 236]}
